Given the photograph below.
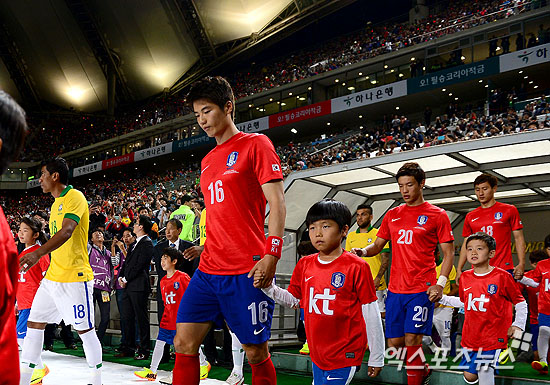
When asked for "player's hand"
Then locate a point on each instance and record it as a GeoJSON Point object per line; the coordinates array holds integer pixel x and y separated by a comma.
{"type": "Point", "coordinates": [264, 271]}
{"type": "Point", "coordinates": [377, 283]}
{"type": "Point", "coordinates": [28, 261]}
{"type": "Point", "coordinates": [514, 330]}
{"type": "Point", "coordinates": [518, 272]}
{"type": "Point", "coordinates": [374, 371]}
{"type": "Point", "coordinates": [435, 293]}
{"type": "Point", "coordinates": [192, 252]}
{"type": "Point", "coordinates": [357, 251]}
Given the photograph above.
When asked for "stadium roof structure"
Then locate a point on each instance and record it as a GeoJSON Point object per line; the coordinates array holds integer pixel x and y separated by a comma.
{"type": "Point", "coordinates": [521, 162]}
{"type": "Point", "coordinates": [69, 52]}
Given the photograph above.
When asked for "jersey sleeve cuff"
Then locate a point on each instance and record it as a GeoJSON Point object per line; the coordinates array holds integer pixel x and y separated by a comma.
{"type": "Point", "coordinates": [74, 217]}
{"type": "Point", "coordinates": [386, 250]}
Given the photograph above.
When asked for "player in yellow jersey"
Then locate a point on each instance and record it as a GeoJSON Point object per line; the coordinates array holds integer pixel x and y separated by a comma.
{"type": "Point", "coordinates": [364, 236]}
{"type": "Point", "coordinates": [66, 292]}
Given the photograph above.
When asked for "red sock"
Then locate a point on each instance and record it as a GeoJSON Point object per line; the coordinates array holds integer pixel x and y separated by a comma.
{"type": "Point", "coordinates": [415, 365]}
{"type": "Point", "coordinates": [264, 373]}
{"type": "Point", "coordinates": [187, 370]}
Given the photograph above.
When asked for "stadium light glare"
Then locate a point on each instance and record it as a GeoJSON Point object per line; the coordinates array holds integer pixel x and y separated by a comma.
{"type": "Point", "coordinates": [480, 81]}
{"type": "Point", "coordinates": [536, 87]}
{"type": "Point", "coordinates": [336, 80]}
{"type": "Point", "coordinates": [309, 88]}
{"type": "Point", "coordinates": [521, 71]}
{"type": "Point", "coordinates": [397, 107]}
{"type": "Point", "coordinates": [351, 88]}
{"type": "Point", "coordinates": [450, 94]}
{"type": "Point", "coordinates": [328, 123]}
{"type": "Point", "coordinates": [290, 94]}
{"type": "Point", "coordinates": [412, 59]}
{"type": "Point", "coordinates": [373, 81]}
{"type": "Point", "coordinates": [486, 86]}
{"type": "Point", "coordinates": [76, 94]}
{"type": "Point", "coordinates": [270, 99]}
{"type": "Point", "coordinates": [442, 201]}
{"type": "Point", "coordinates": [293, 130]}
{"type": "Point", "coordinates": [444, 89]}
{"type": "Point", "coordinates": [385, 66]}
{"type": "Point", "coordinates": [360, 116]}
{"type": "Point", "coordinates": [463, 57]}
{"type": "Point", "coordinates": [531, 82]}
{"type": "Point", "coordinates": [401, 75]}
{"type": "Point", "coordinates": [360, 73]}
{"type": "Point", "coordinates": [526, 77]}
{"type": "Point", "coordinates": [456, 98]}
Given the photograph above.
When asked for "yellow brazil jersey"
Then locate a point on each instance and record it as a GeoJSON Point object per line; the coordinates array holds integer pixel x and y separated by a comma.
{"type": "Point", "coordinates": [451, 279]}
{"type": "Point", "coordinates": [202, 227]}
{"type": "Point", "coordinates": [357, 239]}
{"type": "Point", "coordinates": [70, 262]}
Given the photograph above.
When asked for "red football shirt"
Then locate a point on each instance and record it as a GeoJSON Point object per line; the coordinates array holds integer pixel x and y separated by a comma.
{"type": "Point", "coordinates": [331, 295]}
{"type": "Point", "coordinates": [9, 267]}
{"type": "Point", "coordinates": [30, 280]}
{"type": "Point", "coordinates": [498, 221]}
{"type": "Point", "coordinates": [172, 290]}
{"type": "Point", "coordinates": [414, 232]}
{"type": "Point", "coordinates": [533, 295]}
{"type": "Point", "coordinates": [232, 175]}
{"type": "Point", "coordinates": [487, 300]}
{"type": "Point", "coordinates": [542, 275]}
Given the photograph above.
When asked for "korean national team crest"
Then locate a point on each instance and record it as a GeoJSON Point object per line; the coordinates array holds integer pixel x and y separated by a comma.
{"type": "Point", "coordinates": [498, 216]}
{"type": "Point", "coordinates": [232, 159]}
{"type": "Point", "coordinates": [492, 289]}
{"type": "Point", "coordinates": [422, 220]}
{"type": "Point", "coordinates": [338, 280]}
{"type": "Point", "coordinates": [176, 285]}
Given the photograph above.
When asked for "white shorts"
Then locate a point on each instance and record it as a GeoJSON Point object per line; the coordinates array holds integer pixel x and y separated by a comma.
{"type": "Point", "coordinates": [68, 301]}
{"type": "Point", "coordinates": [442, 320]}
{"type": "Point", "coordinates": [382, 294]}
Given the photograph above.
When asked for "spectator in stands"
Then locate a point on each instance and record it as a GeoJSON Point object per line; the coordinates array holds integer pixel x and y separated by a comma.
{"type": "Point", "coordinates": [186, 215]}
{"type": "Point", "coordinates": [116, 227]}
{"type": "Point", "coordinates": [520, 42]}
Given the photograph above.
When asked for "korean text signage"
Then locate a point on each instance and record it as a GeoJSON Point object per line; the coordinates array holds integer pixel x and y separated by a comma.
{"type": "Point", "coordinates": [255, 125]}
{"type": "Point", "coordinates": [374, 95]}
{"type": "Point", "coordinates": [152, 152]}
{"type": "Point", "coordinates": [524, 58]}
{"type": "Point", "coordinates": [87, 169]}
{"type": "Point", "coordinates": [118, 161]}
{"type": "Point", "coordinates": [299, 114]}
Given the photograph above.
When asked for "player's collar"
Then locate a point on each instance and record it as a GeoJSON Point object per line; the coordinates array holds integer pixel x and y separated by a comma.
{"type": "Point", "coordinates": [65, 191]}
{"type": "Point", "coordinates": [358, 231]}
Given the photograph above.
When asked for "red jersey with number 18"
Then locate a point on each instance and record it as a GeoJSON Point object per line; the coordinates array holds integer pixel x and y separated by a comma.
{"type": "Point", "coordinates": [232, 175]}
{"type": "Point", "coordinates": [172, 290]}
{"type": "Point", "coordinates": [498, 221]}
{"type": "Point", "coordinates": [332, 295]}
{"type": "Point", "coordinates": [541, 274]}
{"type": "Point", "coordinates": [414, 232]}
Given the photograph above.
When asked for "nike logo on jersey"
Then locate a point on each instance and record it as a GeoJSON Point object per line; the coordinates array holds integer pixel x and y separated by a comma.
{"type": "Point", "coordinates": [333, 378]}
{"type": "Point", "coordinates": [78, 323]}
{"type": "Point", "coordinates": [468, 288]}
{"type": "Point", "coordinates": [21, 333]}
{"type": "Point", "coordinates": [475, 219]}
{"type": "Point", "coordinates": [307, 279]}
{"type": "Point", "coordinates": [395, 219]}
{"type": "Point", "coordinates": [204, 169]}
{"type": "Point", "coordinates": [256, 332]}
{"type": "Point", "coordinates": [545, 272]}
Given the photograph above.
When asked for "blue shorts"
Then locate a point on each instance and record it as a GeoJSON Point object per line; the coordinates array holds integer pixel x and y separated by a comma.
{"type": "Point", "coordinates": [472, 361]}
{"type": "Point", "coordinates": [408, 313]}
{"type": "Point", "coordinates": [544, 320]}
{"type": "Point", "coordinates": [342, 376]}
{"type": "Point", "coordinates": [166, 336]}
{"type": "Point", "coordinates": [534, 329]}
{"type": "Point", "coordinates": [213, 298]}
{"type": "Point", "coordinates": [22, 322]}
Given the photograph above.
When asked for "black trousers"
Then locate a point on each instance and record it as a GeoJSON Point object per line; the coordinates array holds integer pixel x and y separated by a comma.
{"type": "Point", "coordinates": [105, 311]}
{"type": "Point", "coordinates": [66, 334]}
{"type": "Point", "coordinates": [135, 308]}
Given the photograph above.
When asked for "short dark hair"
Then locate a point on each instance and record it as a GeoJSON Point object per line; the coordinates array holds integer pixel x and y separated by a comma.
{"type": "Point", "coordinates": [186, 198]}
{"type": "Point", "coordinates": [213, 88]}
{"type": "Point", "coordinates": [547, 241]}
{"type": "Point", "coordinates": [537, 255]}
{"type": "Point", "coordinates": [411, 169]}
{"type": "Point", "coordinates": [130, 231]}
{"type": "Point", "coordinates": [146, 223]}
{"type": "Point", "coordinates": [329, 209]}
{"type": "Point", "coordinates": [486, 238]}
{"type": "Point", "coordinates": [13, 130]}
{"type": "Point", "coordinates": [491, 179]}
{"type": "Point", "coordinates": [41, 214]}
{"type": "Point", "coordinates": [60, 166]}
{"type": "Point", "coordinates": [176, 222]}
{"type": "Point", "coordinates": [364, 207]}
{"type": "Point", "coordinates": [174, 253]}
{"type": "Point", "coordinates": [306, 248]}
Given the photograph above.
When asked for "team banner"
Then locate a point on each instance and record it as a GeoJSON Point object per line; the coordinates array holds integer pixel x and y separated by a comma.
{"type": "Point", "coordinates": [118, 161]}
{"type": "Point", "coordinates": [255, 125]}
{"type": "Point", "coordinates": [454, 75]}
{"type": "Point", "coordinates": [299, 114]}
{"type": "Point", "coordinates": [371, 96]}
{"type": "Point", "coordinates": [87, 169]}
{"type": "Point", "coordinates": [152, 152]}
{"type": "Point", "coordinates": [524, 58]}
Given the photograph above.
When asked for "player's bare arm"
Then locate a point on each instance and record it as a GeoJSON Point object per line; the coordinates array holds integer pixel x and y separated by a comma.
{"type": "Point", "coordinates": [372, 249]}
{"type": "Point", "coordinates": [264, 270]}
{"type": "Point", "coordinates": [383, 267]}
{"type": "Point", "coordinates": [435, 292]}
{"type": "Point", "coordinates": [192, 253]}
{"type": "Point", "coordinates": [55, 242]}
{"type": "Point", "coordinates": [520, 250]}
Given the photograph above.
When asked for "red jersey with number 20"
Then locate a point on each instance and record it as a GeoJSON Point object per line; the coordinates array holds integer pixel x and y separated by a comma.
{"type": "Point", "coordinates": [332, 295]}
{"type": "Point", "coordinates": [232, 175]}
{"type": "Point", "coordinates": [414, 232]}
{"type": "Point", "coordinates": [172, 290]}
{"type": "Point", "coordinates": [498, 221]}
{"type": "Point", "coordinates": [30, 280]}
{"type": "Point", "coordinates": [485, 297]}
{"type": "Point", "coordinates": [542, 275]}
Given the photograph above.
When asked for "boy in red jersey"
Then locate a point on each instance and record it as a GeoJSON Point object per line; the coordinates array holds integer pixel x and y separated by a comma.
{"type": "Point", "coordinates": [238, 177]}
{"type": "Point", "coordinates": [13, 129]}
{"type": "Point", "coordinates": [414, 229]}
{"type": "Point", "coordinates": [499, 220]}
{"type": "Point", "coordinates": [336, 290]}
{"type": "Point", "coordinates": [172, 287]}
{"type": "Point", "coordinates": [484, 291]}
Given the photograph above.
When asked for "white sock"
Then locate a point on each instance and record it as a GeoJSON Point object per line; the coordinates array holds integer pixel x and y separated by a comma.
{"type": "Point", "coordinates": [20, 343]}
{"type": "Point", "coordinates": [446, 343]}
{"type": "Point", "coordinates": [486, 375]}
{"type": "Point", "coordinates": [427, 340]}
{"type": "Point", "coordinates": [157, 355]}
{"type": "Point", "coordinates": [238, 354]}
{"type": "Point", "coordinates": [30, 356]}
{"type": "Point", "coordinates": [544, 335]}
{"type": "Point", "coordinates": [202, 358]}
{"type": "Point", "coordinates": [92, 350]}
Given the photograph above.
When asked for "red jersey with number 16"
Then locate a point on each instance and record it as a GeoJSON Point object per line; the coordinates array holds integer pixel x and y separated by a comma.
{"type": "Point", "coordinates": [232, 175]}
{"type": "Point", "coordinates": [498, 221]}
{"type": "Point", "coordinates": [414, 232]}
{"type": "Point", "coordinates": [172, 290]}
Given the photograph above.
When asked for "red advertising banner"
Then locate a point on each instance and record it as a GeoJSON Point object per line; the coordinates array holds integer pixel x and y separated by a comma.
{"type": "Point", "coordinates": [299, 114]}
{"type": "Point", "coordinates": [118, 161]}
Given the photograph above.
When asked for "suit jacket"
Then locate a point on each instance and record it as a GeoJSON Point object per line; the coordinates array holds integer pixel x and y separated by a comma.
{"type": "Point", "coordinates": [187, 266]}
{"type": "Point", "coordinates": [136, 266]}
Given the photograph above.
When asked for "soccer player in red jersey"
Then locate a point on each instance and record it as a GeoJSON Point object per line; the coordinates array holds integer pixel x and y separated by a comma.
{"type": "Point", "coordinates": [484, 291]}
{"type": "Point", "coordinates": [414, 230]}
{"type": "Point", "coordinates": [499, 220]}
{"type": "Point", "coordinates": [13, 129]}
{"type": "Point", "coordinates": [336, 290]}
{"type": "Point", "coordinates": [238, 177]}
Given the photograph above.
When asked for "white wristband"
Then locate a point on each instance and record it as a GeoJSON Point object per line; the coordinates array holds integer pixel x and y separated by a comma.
{"type": "Point", "coordinates": [442, 281]}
